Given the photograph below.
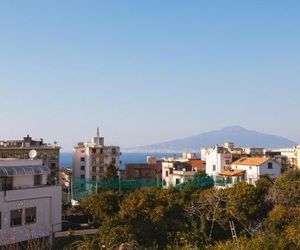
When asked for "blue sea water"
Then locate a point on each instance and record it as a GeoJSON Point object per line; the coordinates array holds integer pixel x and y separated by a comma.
{"type": "Point", "coordinates": [66, 158]}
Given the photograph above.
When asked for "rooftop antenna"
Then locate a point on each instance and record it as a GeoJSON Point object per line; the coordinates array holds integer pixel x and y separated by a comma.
{"type": "Point", "coordinates": [98, 136]}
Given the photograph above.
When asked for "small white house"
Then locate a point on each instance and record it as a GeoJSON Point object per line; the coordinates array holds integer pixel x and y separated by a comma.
{"type": "Point", "coordinates": [176, 173]}
{"type": "Point", "coordinates": [251, 168]}
{"type": "Point", "coordinates": [217, 160]}
{"type": "Point", "coordinates": [29, 207]}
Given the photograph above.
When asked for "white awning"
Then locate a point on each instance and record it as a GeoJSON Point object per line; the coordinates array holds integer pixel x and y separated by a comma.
{"type": "Point", "coordinates": [23, 170]}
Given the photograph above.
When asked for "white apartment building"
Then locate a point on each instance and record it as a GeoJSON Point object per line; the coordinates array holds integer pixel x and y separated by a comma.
{"type": "Point", "coordinates": [251, 168]}
{"type": "Point", "coordinates": [235, 151]}
{"type": "Point", "coordinates": [217, 159]}
{"type": "Point", "coordinates": [184, 157]}
{"type": "Point", "coordinates": [91, 159]}
{"type": "Point", "coordinates": [254, 151]}
{"type": "Point", "coordinates": [189, 155]}
{"type": "Point", "coordinates": [176, 173]}
{"type": "Point", "coordinates": [292, 155]}
{"type": "Point", "coordinates": [29, 208]}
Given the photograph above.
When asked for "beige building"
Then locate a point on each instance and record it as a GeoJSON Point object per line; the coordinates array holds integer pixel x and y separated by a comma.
{"type": "Point", "coordinates": [29, 207]}
{"type": "Point", "coordinates": [20, 149]}
{"type": "Point", "coordinates": [292, 156]}
{"type": "Point", "coordinates": [91, 159]}
{"type": "Point", "coordinates": [176, 173]}
{"type": "Point", "coordinates": [64, 178]}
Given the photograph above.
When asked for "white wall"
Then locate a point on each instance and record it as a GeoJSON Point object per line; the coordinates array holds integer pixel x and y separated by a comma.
{"type": "Point", "coordinates": [298, 156]}
{"type": "Point", "coordinates": [254, 172]}
{"type": "Point", "coordinates": [47, 201]}
{"type": "Point", "coordinates": [274, 172]}
{"type": "Point", "coordinates": [166, 166]}
{"type": "Point", "coordinates": [217, 159]}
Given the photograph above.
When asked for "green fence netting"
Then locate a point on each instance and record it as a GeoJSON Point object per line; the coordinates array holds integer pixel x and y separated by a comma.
{"type": "Point", "coordinates": [82, 188]}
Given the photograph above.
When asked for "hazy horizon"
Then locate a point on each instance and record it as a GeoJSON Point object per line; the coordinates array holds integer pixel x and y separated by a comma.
{"type": "Point", "coordinates": [148, 72]}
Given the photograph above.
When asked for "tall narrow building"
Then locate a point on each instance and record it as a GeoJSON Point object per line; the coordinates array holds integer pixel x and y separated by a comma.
{"type": "Point", "coordinates": [91, 159]}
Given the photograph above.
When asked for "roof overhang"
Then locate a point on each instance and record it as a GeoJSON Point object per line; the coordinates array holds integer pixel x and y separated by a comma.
{"type": "Point", "coordinates": [23, 171]}
{"type": "Point", "coordinates": [234, 172]}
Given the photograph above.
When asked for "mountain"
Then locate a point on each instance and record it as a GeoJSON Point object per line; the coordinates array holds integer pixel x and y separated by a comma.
{"type": "Point", "coordinates": [240, 136]}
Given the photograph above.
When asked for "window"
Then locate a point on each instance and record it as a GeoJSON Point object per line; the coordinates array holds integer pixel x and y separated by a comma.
{"type": "Point", "coordinates": [270, 165]}
{"type": "Point", "coordinates": [37, 180]}
{"type": "Point", "coordinates": [227, 162]}
{"type": "Point", "coordinates": [101, 160]}
{"type": "Point", "coordinates": [82, 159]}
{"type": "Point", "coordinates": [53, 165]}
{"type": "Point", "coordinates": [177, 181]}
{"type": "Point", "coordinates": [30, 215]}
{"type": "Point", "coordinates": [113, 161]}
{"type": "Point", "coordinates": [167, 173]}
{"type": "Point", "coordinates": [101, 170]}
{"type": "Point", "coordinates": [6, 183]}
{"type": "Point", "coordinates": [16, 218]}
{"type": "Point", "coordinates": [93, 177]}
{"type": "Point", "coordinates": [82, 168]}
{"type": "Point", "coordinates": [94, 151]}
{"type": "Point", "coordinates": [82, 176]}
{"type": "Point", "coordinates": [94, 169]}
{"type": "Point", "coordinates": [171, 170]}
{"type": "Point", "coordinates": [250, 167]}
{"type": "Point", "coordinates": [214, 167]}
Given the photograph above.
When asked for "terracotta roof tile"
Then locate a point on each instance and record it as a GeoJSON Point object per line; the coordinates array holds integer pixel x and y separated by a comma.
{"type": "Point", "coordinates": [251, 161]}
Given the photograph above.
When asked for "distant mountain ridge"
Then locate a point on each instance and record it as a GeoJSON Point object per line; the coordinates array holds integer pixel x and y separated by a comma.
{"type": "Point", "coordinates": [240, 136]}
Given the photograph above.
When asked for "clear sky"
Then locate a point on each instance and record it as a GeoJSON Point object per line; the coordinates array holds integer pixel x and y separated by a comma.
{"type": "Point", "coordinates": [148, 71]}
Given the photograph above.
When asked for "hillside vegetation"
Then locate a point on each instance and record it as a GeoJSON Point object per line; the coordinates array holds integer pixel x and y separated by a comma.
{"type": "Point", "coordinates": [266, 216]}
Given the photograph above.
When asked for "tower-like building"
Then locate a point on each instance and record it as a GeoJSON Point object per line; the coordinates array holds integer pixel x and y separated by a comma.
{"type": "Point", "coordinates": [91, 159]}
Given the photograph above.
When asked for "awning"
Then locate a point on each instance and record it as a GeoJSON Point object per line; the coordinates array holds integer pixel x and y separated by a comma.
{"type": "Point", "coordinates": [23, 170]}
{"type": "Point", "coordinates": [233, 172]}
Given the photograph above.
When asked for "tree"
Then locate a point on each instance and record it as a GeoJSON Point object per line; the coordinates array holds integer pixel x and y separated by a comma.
{"type": "Point", "coordinates": [245, 205]}
{"type": "Point", "coordinates": [111, 172]}
{"type": "Point", "coordinates": [104, 205]}
{"type": "Point", "coordinates": [154, 215]}
{"type": "Point", "coordinates": [286, 189]}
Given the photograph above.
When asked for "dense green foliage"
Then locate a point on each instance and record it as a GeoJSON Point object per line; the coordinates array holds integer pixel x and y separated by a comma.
{"type": "Point", "coordinates": [266, 216]}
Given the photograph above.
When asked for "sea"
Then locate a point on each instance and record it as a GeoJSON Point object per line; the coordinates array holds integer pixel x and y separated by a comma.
{"type": "Point", "coordinates": [66, 158]}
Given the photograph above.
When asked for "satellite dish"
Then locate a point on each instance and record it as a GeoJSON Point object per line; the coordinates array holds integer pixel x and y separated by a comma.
{"type": "Point", "coordinates": [32, 154]}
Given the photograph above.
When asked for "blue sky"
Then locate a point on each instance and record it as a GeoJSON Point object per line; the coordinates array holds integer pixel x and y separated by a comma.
{"type": "Point", "coordinates": [148, 71]}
